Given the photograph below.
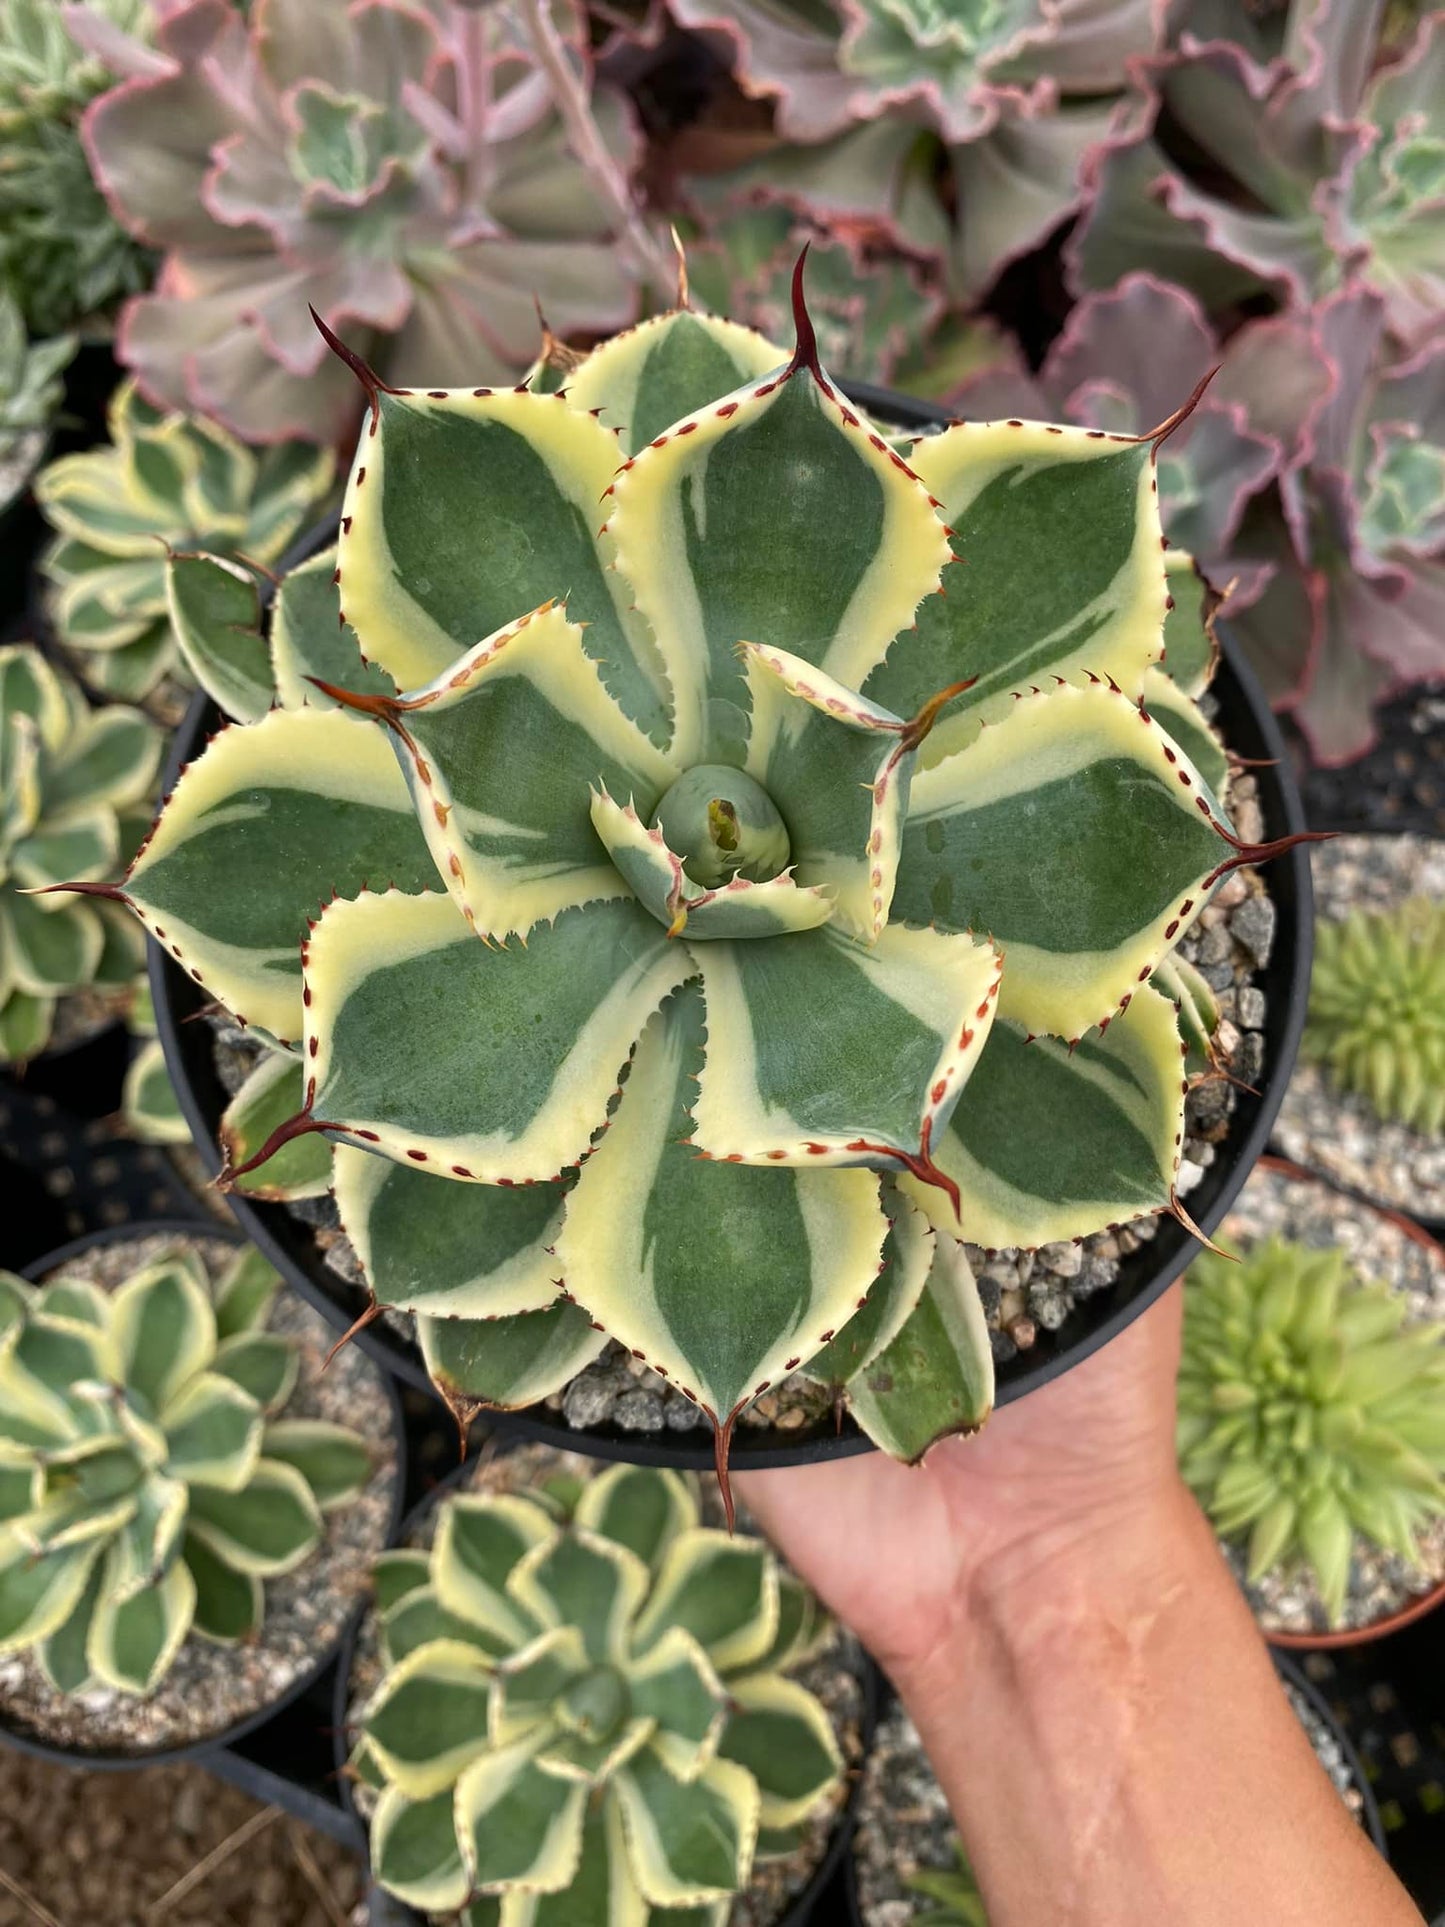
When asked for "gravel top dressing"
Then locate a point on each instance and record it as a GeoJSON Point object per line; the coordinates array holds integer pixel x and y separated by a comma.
{"type": "Point", "coordinates": [210, 1687]}
{"type": "Point", "coordinates": [834, 1676]}
{"type": "Point", "coordinates": [1287, 1599]}
{"type": "Point", "coordinates": [1335, 1131]}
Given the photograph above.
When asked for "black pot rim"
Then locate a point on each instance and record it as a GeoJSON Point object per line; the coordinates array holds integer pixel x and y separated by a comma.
{"type": "Point", "coordinates": [111, 1760]}
{"type": "Point", "coordinates": [799, 1913]}
{"type": "Point", "coordinates": [176, 999]}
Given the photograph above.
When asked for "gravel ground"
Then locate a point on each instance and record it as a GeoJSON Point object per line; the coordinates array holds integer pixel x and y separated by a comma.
{"type": "Point", "coordinates": [1314, 1214]}
{"type": "Point", "coordinates": [1023, 1292]}
{"type": "Point", "coordinates": [210, 1687]}
{"type": "Point", "coordinates": [834, 1675]}
{"type": "Point", "coordinates": [105, 1850]}
{"type": "Point", "coordinates": [1338, 1132]}
{"type": "Point", "coordinates": [904, 1822]}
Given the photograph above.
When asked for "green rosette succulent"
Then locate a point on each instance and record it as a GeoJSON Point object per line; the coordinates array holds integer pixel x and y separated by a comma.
{"type": "Point", "coordinates": [584, 1716]}
{"type": "Point", "coordinates": [165, 483]}
{"type": "Point", "coordinates": [952, 1892]}
{"type": "Point", "coordinates": [149, 1483]}
{"type": "Point", "coordinates": [70, 778]}
{"type": "Point", "coordinates": [649, 943]}
{"type": "Point", "coordinates": [1308, 1411]}
{"type": "Point", "coordinates": [1377, 1010]}
{"type": "Point", "coordinates": [31, 392]}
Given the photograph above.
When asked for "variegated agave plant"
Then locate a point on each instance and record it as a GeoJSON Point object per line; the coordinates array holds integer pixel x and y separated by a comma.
{"type": "Point", "coordinates": [148, 1484]}
{"type": "Point", "coordinates": [853, 850]}
{"type": "Point", "coordinates": [584, 1716]}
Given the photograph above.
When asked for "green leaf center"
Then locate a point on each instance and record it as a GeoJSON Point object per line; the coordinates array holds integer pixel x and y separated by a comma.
{"type": "Point", "coordinates": [596, 1704]}
{"type": "Point", "coordinates": [723, 825]}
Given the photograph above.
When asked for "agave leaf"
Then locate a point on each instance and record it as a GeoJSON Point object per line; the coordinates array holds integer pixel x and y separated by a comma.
{"type": "Point", "coordinates": [526, 1685]}
{"type": "Point", "coordinates": [215, 611]}
{"type": "Point", "coordinates": [453, 1251]}
{"type": "Point", "coordinates": [62, 1654]}
{"type": "Point", "coordinates": [840, 554]}
{"type": "Point", "coordinates": [274, 1090]}
{"type": "Point", "coordinates": [720, 1590]}
{"type": "Point", "coordinates": [310, 643]}
{"type": "Point", "coordinates": [676, 1685]}
{"type": "Point", "coordinates": [689, 1841]}
{"type": "Point", "coordinates": [802, 1246]}
{"type": "Point", "coordinates": [479, 1543]}
{"type": "Point", "coordinates": [244, 1293]}
{"type": "Point", "coordinates": [213, 1432]}
{"type": "Point", "coordinates": [1014, 489]}
{"type": "Point", "coordinates": [334, 1462]}
{"type": "Point", "coordinates": [267, 1528]}
{"type": "Point", "coordinates": [781, 1735]}
{"type": "Point", "coordinates": [1194, 1000]}
{"type": "Point", "coordinates": [164, 1330]}
{"type": "Point", "coordinates": [428, 1718]}
{"type": "Point", "coordinates": [518, 1079]}
{"type": "Point", "coordinates": [420, 1618]}
{"type": "Point", "coordinates": [907, 1260]}
{"type": "Point", "coordinates": [647, 378]}
{"type": "Point", "coordinates": [641, 1507]}
{"type": "Point", "coordinates": [149, 1104]}
{"type": "Point", "coordinates": [584, 1582]}
{"type": "Point", "coordinates": [908, 1019]}
{"type": "Point", "coordinates": [936, 1376]}
{"type": "Point", "coordinates": [1191, 651]}
{"type": "Point", "coordinates": [510, 1362]}
{"type": "Point", "coordinates": [229, 1604]}
{"type": "Point", "coordinates": [288, 810]}
{"type": "Point", "coordinates": [418, 588]}
{"type": "Point", "coordinates": [1182, 720]}
{"type": "Point", "coordinates": [38, 1595]}
{"type": "Point", "coordinates": [132, 1641]}
{"type": "Point", "coordinates": [518, 1825]}
{"type": "Point", "coordinates": [482, 749]}
{"type": "Point", "coordinates": [1078, 837]}
{"type": "Point", "coordinates": [1050, 1143]}
{"type": "Point", "coordinates": [414, 1851]}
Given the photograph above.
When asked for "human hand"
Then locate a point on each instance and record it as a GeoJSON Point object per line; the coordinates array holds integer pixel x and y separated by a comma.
{"type": "Point", "coordinates": [1080, 1474]}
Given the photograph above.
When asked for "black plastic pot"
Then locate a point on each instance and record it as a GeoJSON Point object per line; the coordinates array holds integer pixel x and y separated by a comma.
{"type": "Point", "coordinates": [108, 1760]}
{"type": "Point", "coordinates": [809, 1909]}
{"type": "Point", "coordinates": [1251, 731]}
{"type": "Point", "coordinates": [86, 1078]}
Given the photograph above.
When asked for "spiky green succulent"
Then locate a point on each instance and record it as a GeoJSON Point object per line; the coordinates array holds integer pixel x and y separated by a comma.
{"type": "Point", "coordinates": [1377, 1009]}
{"type": "Point", "coordinates": [953, 1892]}
{"type": "Point", "coordinates": [31, 392]}
{"type": "Point", "coordinates": [164, 483]}
{"type": "Point", "coordinates": [149, 1481]}
{"type": "Point", "coordinates": [1309, 1412]}
{"type": "Point", "coordinates": [63, 255]}
{"type": "Point", "coordinates": [585, 1714]}
{"type": "Point", "coordinates": [70, 778]}
{"type": "Point", "coordinates": [750, 789]}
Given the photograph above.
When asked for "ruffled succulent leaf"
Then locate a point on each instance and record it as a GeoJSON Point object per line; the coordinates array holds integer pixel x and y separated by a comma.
{"type": "Point", "coordinates": [333, 1460]}
{"type": "Point", "coordinates": [588, 1584]}
{"type": "Point", "coordinates": [984, 826]}
{"type": "Point", "coordinates": [674, 1683]}
{"type": "Point", "coordinates": [244, 1293]}
{"type": "Point", "coordinates": [689, 1841]}
{"type": "Point", "coordinates": [215, 612]}
{"type": "Point", "coordinates": [62, 1656]}
{"type": "Point", "coordinates": [289, 810]}
{"type": "Point", "coordinates": [419, 1618]}
{"type": "Point", "coordinates": [310, 643]}
{"type": "Point", "coordinates": [721, 1591]}
{"type": "Point", "coordinates": [273, 1091]}
{"type": "Point", "coordinates": [935, 1377]}
{"type": "Point", "coordinates": [479, 1543]}
{"type": "Point", "coordinates": [642, 381]}
{"type": "Point", "coordinates": [447, 1250]}
{"type": "Point", "coordinates": [414, 1851]}
{"type": "Point", "coordinates": [1089, 1135]}
{"type": "Point", "coordinates": [803, 1244]}
{"type": "Point", "coordinates": [838, 561]}
{"type": "Point", "coordinates": [230, 1605]}
{"type": "Point", "coordinates": [132, 1642]}
{"type": "Point", "coordinates": [1008, 489]}
{"type": "Point", "coordinates": [418, 588]}
{"type": "Point", "coordinates": [428, 1719]}
{"type": "Point", "coordinates": [149, 1104]}
{"type": "Point", "coordinates": [213, 1433]}
{"type": "Point", "coordinates": [639, 1507]}
{"type": "Point", "coordinates": [785, 1740]}
{"type": "Point", "coordinates": [163, 1329]}
{"type": "Point", "coordinates": [267, 1529]}
{"type": "Point", "coordinates": [518, 1825]}
{"type": "Point", "coordinates": [520, 1078]}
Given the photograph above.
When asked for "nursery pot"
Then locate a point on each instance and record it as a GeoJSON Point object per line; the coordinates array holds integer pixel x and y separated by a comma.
{"type": "Point", "coordinates": [390, 1418]}
{"type": "Point", "coordinates": [391, 1912]}
{"type": "Point", "coordinates": [1248, 727]}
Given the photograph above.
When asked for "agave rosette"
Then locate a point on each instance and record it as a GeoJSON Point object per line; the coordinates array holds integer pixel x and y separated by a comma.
{"type": "Point", "coordinates": [402, 168]}
{"type": "Point", "coordinates": [639, 987]}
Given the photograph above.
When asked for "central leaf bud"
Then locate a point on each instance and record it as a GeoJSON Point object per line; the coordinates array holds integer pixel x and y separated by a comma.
{"type": "Point", "coordinates": [723, 825]}
{"type": "Point", "coordinates": [596, 1704]}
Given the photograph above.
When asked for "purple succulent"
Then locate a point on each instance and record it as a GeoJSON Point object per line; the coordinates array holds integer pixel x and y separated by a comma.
{"type": "Point", "coordinates": [404, 166]}
{"type": "Point", "coordinates": [1318, 162]}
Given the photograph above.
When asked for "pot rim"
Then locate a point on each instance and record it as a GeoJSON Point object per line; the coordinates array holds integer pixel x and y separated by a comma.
{"type": "Point", "coordinates": [800, 1910]}
{"type": "Point", "coordinates": [113, 1760]}
{"type": "Point", "coordinates": [762, 1448]}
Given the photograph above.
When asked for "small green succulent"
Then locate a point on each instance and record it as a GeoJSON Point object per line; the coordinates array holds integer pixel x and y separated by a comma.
{"type": "Point", "coordinates": [147, 1482]}
{"type": "Point", "coordinates": [954, 1892]}
{"type": "Point", "coordinates": [70, 777]}
{"type": "Point", "coordinates": [63, 254]}
{"type": "Point", "coordinates": [30, 393]}
{"type": "Point", "coordinates": [584, 1716]}
{"type": "Point", "coordinates": [1377, 1010]}
{"type": "Point", "coordinates": [165, 483]}
{"type": "Point", "coordinates": [1308, 1412]}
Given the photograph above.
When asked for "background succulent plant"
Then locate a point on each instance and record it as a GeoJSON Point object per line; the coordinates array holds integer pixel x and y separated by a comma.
{"type": "Point", "coordinates": [148, 1482]}
{"type": "Point", "coordinates": [405, 170]}
{"type": "Point", "coordinates": [952, 1892]}
{"type": "Point", "coordinates": [31, 392]}
{"type": "Point", "coordinates": [703, 821]}
{"type": "Point", "coordinates": [70, 781]}
{"type": "Point", "coordinates": [64, 258]}
{"type": "Point", "coordinates": [1309, 1411]}
{"type": "Point", "coordinates": [165, 483]}
{"type": "Point", "coordinates": [591, 1708]}
{"type": "Point", "coordinates": [1377, 1010]}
